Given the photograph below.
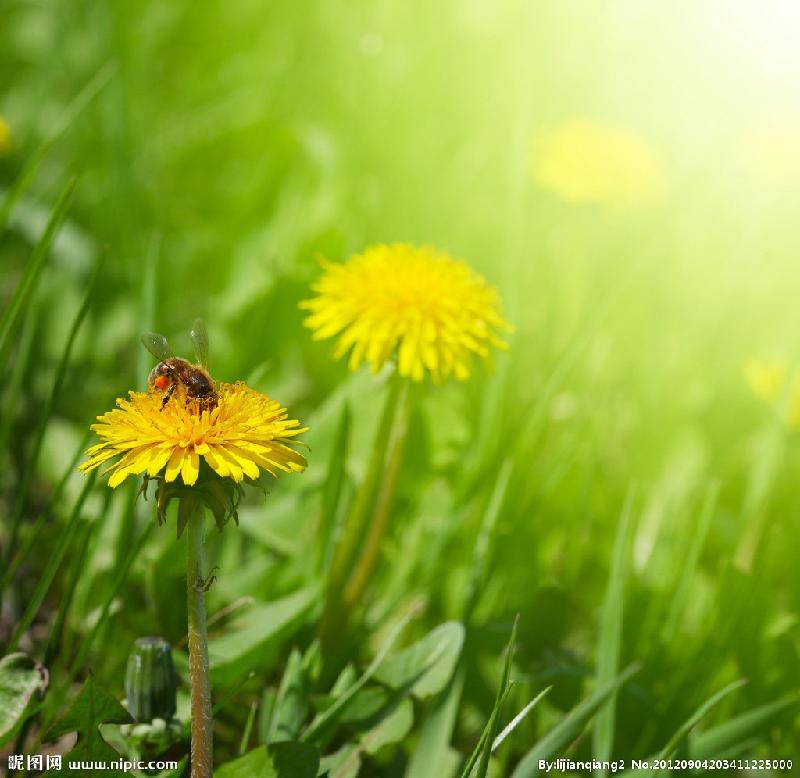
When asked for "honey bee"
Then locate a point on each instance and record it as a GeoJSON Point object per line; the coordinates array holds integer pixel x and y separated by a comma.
{"type": "Point", "coordinates": [172, 372]}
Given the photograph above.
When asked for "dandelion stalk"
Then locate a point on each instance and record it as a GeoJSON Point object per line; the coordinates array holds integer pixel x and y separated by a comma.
{"type": "Point", "coordinates": [383, 505]}
{"type": "Point", "coordinates": [202, 757]}
{"type": "Point", "coordinates": [355, 526]}
{"type": "Point", "coordinates": [199, 451]}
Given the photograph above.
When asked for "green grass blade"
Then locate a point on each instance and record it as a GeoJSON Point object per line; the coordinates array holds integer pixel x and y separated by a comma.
{"type": "Point", "coordinates": [571, 726]}
{"type": "Point", "coordinates": [77, 567]}
{"type": "Point", "coordinates": [332, 488]}
{"type": "Point", "coordinates": [13, 389]}
{"type": "Point", "coordinates": [110, 595]}
{"type": "Point", "coordinates": [53, 563]}
{"type": "Point", "coordinates": [681, 596]}
{"type": "Point", "coordinates": [47, 411]}
{"type": "Point", "coordinates": [517, 720]}
{"type": "Point", "coordinates": [147, 305]}
{"type": "Point", "coordinates": [480, 560]}
{"type": "Point", "coordinates": [610, 640]}
{"type": "Point", "coordinates": [484, 740]}
{"type": "Point", "coordinates": [62, 122]}
{"type": "Point", "coordinates": [35, 266]}
{"type": "Point", "coordinates": [33, 535]}
{"type": "Point", "coordinates": [683, 731]}
{"type": "Point", "coordinates": [484, 748]}
{"type": "Point", "coordinates": [330, 716]}
{"type": "Point", "coordinates": [740, 730]}
{"type": "Point", "coordinates": [483, 766]}
{"type": "Point", "coordinates": [248, 728]}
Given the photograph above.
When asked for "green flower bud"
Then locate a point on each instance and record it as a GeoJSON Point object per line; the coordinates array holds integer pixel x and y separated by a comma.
{"type": "Point", "coordinates": [151, 683]}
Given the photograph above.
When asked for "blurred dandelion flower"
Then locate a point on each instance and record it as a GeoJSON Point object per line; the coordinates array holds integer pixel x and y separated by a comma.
{"type": "Point", "coordinates": [417, 302]}
{"type": "Point", "coordinates": [5, 137]}
{"type": "Point", "coordinates": [588, 162]}
{"type": "Point", "coordinates": [768, 379]}
{"type": "Point", "coordinates": [245, 431]}
{"type": "Point", "coordinates": [765, 377]}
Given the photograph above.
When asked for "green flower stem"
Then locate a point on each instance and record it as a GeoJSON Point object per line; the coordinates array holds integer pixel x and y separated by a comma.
{"type": "Point", "coordinates": [355, 524]}
{"type": "Point", "coordinates": [383, 507]}
{"type": "Point", "coordinates": [202, 719]}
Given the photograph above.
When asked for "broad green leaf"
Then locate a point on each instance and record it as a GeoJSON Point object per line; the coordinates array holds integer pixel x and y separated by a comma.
{"type": "Point", "coordinates": [392, 728]}
{"type": "Point", "coordinates": [292, 701]}
{"type": "Point", "coordinates": [426, 666]}
{"type": "Point", "coordinates": [344, 763]}
{"type": "Point", "coordinates": [570, 726]}
{"type": "Point", "coordinates": [91, 708]}
{"type": "Point", "coordinates": [20, 679]}
{"type": "Point", "coordinates": [325, 721]}
{"type": "Point", "coordinates": [610, 639]}
{"type": "Point", "coordinates": [276, 760]}
{"type": "Point", "coordinates": [723, 738]}
{"type": "Point", "coordinates": [433, 752]}
{"type": "Point", "coordinates": [261, 632]}
{"type": "Point", "coordinates": [365, 706]}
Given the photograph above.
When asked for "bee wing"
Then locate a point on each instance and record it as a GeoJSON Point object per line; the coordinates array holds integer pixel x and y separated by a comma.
{"type": "Point", "coordinates": [157, 345]}
{"type": "Point", "coordinates": [199, 335]}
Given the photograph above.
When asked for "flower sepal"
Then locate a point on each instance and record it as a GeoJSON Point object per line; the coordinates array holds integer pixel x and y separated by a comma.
{"type": "Point", "coordinates": [220, 496]}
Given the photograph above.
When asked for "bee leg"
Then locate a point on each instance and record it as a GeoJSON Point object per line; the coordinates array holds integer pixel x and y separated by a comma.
{"type": "Point", "coordinates": [167, 395]}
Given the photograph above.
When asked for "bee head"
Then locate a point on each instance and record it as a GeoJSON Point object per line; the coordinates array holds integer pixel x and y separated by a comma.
{"type": "Point", "coordinates": [160, 377]}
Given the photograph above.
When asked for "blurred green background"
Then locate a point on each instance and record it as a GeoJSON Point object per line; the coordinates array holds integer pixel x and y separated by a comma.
{"type": "Point", "coordinates": [225, 146]}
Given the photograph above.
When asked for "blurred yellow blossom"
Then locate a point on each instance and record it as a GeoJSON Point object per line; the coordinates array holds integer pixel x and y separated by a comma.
{"type": "Point", "coordinates": [5, 137]}
{"type": "Point", "coordinates": [585, 161]}
{"type": "Point", "coordinates": [769, 380]}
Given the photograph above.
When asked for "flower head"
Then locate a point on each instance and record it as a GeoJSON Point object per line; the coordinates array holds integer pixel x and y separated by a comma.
{"type": "Point", "coordinates": [589, 162]}
{"type": "Point", "coordinates": [419, 303]}
{"type": "Point", "coordinates": [245, 432]}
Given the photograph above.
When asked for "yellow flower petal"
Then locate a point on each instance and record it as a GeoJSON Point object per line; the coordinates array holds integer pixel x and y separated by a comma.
{"type": "Point", "coordinates": [190, 468]}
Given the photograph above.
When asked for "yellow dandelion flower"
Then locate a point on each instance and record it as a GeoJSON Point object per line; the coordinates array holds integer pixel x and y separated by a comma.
{"type": "Point", "coordinates": [416, 302]}
{"type": "Point", "coordinates": [5, 137]}
{"type": "Point", "coordinates": [589, 162]}
{"type": "Point", "coordinates": [245, 432]}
